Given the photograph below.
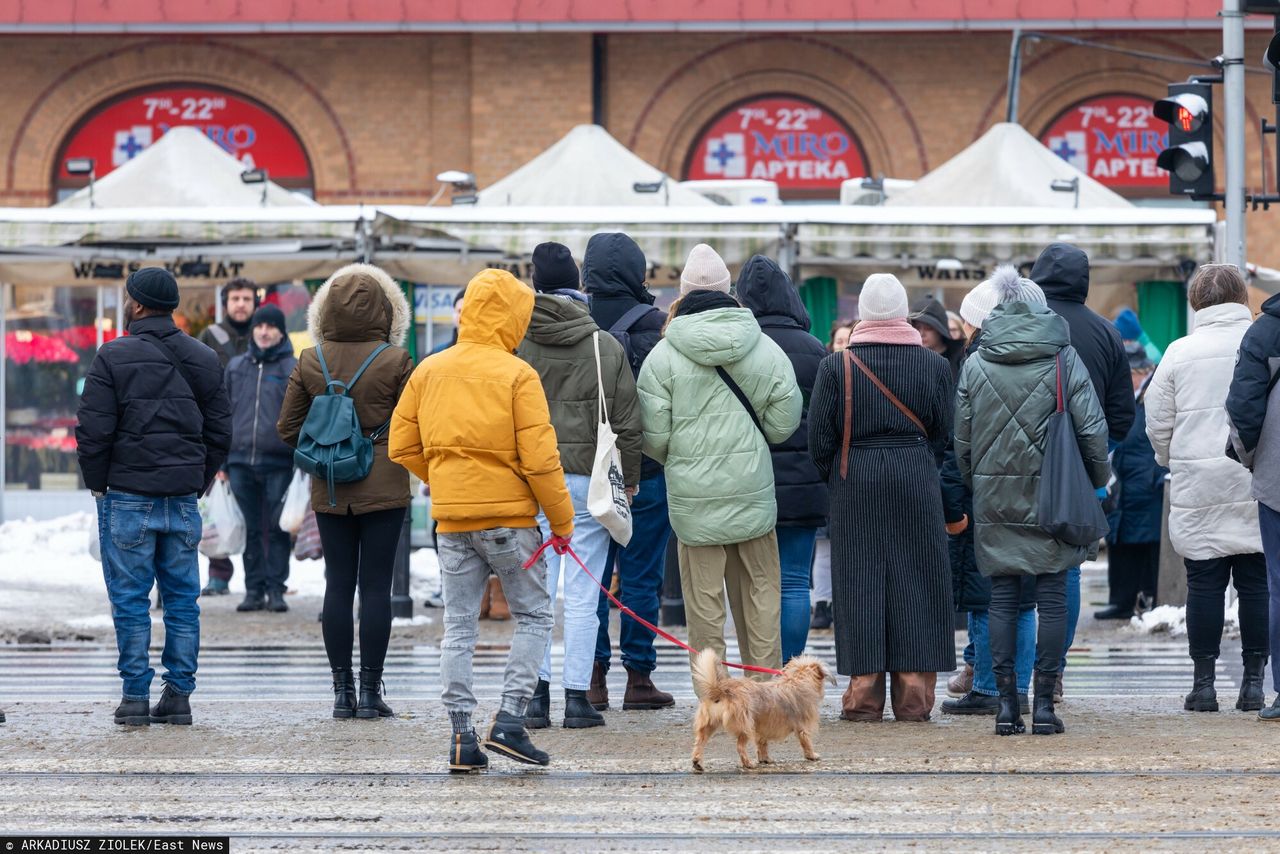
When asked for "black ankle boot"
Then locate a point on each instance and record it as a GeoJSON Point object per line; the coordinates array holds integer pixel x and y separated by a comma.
{"type": "Point", "coordinates": [173, 708]}
{"type": "Point", "coordinates": [344, 693]}
{"type": "Point", "coordinates": [1043, 719]}
{"type": "Point", "coordinates": [133, 713]}
{"type": "Point", "coordinates": [1008, 716]}
{"type": "Point", "coordinates": [507, 737]}
{"type": "Point", "coordinates": [370, 704]}
{"type": "Point", "coordinates": [1252, 695]}
{"type": "Point", "coordinates": [537, 715]}
{"type": "Point", "coordinates": [578, 713]}
{"type": "Point", "coordinates": [465, 753]}
{"type": "Point", "coordinates": [1202, 697]}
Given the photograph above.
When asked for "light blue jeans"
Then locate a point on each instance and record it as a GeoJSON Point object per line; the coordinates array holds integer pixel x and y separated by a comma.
{"type": "Point", "coordinates": [581, 594]}
{"type": "Point", "coordinates": [984, 678]}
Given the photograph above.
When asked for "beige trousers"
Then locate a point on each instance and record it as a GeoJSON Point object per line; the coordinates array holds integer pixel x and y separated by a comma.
{"type": "Point", "coordinates": [750, 574]}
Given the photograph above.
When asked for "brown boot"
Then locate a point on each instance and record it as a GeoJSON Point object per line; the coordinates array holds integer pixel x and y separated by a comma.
{"type": "Point", "coordinates": [598, 693]}
{"type": "Point", "coordinates": [863, 700]}
{"type": "Point", "coordinates": [912, 695]}
{"type": "Point", "coordinates": [498, 609]}
{"type": "Point", "coordinates": [484, 600]}
{"type": "Point", "coordinates": [961, 683]}
{"type": "Point", "coordinates": [641, 693]}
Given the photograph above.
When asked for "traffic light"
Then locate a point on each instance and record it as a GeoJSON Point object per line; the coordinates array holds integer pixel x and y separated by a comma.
{"type": "Point", "coordinates": [1189, 158]}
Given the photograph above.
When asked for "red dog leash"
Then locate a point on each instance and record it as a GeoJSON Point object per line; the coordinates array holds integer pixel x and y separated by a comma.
{"type": "Point", "coordinates": [633, 615]}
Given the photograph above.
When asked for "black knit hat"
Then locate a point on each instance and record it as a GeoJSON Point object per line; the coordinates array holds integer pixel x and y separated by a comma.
{"type": "Point", "coordinates": [554, 268]}
{"type": "Point", "coordinates": [153, 287]}
{"type": "Point", "coordinates": [272, 314]}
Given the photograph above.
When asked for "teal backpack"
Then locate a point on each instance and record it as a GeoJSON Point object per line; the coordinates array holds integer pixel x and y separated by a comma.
{"type": "Point", "coordinates": [331, 444]}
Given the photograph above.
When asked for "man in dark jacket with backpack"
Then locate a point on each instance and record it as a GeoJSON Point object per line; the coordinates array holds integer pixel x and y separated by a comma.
{"type": "Point", "coordinates": [153, 429]}
{"type": "Point", "coordinates": [261, 464]}
{"type": "Point", "coordinates": [613, 274]}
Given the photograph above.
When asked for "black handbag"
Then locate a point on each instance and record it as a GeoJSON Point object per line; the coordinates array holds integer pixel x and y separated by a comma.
{"type": "Point", "coordinates": [1067, 504]}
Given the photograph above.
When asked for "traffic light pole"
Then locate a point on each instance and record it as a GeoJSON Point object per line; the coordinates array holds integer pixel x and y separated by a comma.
{"type": "Point", "coordinates": [1233, 93]}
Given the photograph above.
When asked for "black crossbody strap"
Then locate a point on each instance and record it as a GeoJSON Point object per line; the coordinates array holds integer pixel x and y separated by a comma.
{"type": "Point", "coordinates": [182, 370]}
{"type": "Point", "coordinates": [742, 398]}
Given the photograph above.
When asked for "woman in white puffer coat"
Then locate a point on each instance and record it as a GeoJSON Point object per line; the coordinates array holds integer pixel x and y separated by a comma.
{"type": "Point", "coordinates": [1213, 519]}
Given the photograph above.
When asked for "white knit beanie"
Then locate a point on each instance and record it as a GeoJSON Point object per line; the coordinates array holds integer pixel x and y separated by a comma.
{"type": "Point", "coordinates": [1009, 286]}
{"type": "Point", "coordinates": [977, 304]}
{"type": "Point", "coordinates": [704, 271]}
{"type": "Point", "coordinates": [883, 298]}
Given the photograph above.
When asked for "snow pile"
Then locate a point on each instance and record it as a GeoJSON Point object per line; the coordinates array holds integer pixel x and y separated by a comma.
{"type": "Point", "coordinates": [65, 535]}
{"type": "Point", "coordinates": [1172, 620]}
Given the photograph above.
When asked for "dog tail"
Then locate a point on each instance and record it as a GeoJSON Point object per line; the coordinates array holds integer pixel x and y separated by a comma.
{"type": "Point", "coordinates": [707, 676]}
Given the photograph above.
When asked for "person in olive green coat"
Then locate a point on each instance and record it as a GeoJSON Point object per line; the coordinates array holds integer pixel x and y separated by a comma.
{"type": "Point", "coordinates": [1006, 394]}
{"type": "Point", "coordinates": [719, 472]}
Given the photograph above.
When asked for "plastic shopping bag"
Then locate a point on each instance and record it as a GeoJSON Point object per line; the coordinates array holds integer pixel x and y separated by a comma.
{"type": "Point", "coordinates": [224, 532]}
{"type": "Point", "coordinates": [307, 546]}
{"type": "Point", "coordinates": [297, 501]}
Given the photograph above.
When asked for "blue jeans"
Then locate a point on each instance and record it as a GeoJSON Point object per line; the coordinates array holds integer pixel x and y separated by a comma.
{"type": "Point", "coordinates": [640, 567]}
{"type": "Point", "coordinates": [146, 541]}
{"type": "Point", "coordinates": [1269, 522]}
{"type": "Point", "coordinates": [984, 678]}
{"type": "Point", "coordinates": [259, 491]}
{"type": "Point", "coordinates": [581, 594]}
{"type": "Point", "coordinates": [795, 554]}
{"type": "Point", "coordinates": [1073, 613]}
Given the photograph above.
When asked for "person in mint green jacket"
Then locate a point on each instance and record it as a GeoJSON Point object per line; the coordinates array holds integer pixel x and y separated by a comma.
{"type": "Point", "coordinates": [720, 489]}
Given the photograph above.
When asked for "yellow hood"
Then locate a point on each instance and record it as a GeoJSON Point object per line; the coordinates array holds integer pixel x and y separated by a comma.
{"type": "Point", "coordinates": [496, 310]}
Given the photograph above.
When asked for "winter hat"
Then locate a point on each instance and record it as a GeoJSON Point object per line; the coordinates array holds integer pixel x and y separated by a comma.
{"type": "Point", "coordinates": [269, 314]}
{"type": "Point", "coordinates": [977, 304]}
{"type": "Point", "coordinates": [930, 312]}
{"type": "Point", "coordinates": [882, 298]}
{"type": "Point", "coordinates": [704, 271]}
{"type": "Point", "coordinates": [553, 268]}
{"type": "Point", "coordinates": [1137, 356]}
{"type": "Point", "coordinates": [153, 287]}
{"type": "Point", "coordinates": [1009, 286]}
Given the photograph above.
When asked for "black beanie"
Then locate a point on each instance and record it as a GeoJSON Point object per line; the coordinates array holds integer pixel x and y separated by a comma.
{"type": "Point", "coordinates": [272, 314]}
{"type": "Point", "coordinates": [553, 268]}
{"type": "Point", "coordinates": [153, 287]}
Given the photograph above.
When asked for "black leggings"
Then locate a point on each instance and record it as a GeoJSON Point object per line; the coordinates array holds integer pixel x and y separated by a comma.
{"type": "Point", "coordinates": [1206, 601]}
{"type": "Point", "coordinates": [358, 549]}
{"type": "Point", "coordinates": [1051, 608]}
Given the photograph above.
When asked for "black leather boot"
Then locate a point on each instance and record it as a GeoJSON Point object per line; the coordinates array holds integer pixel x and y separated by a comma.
{"type": "Point", "coordinates": [1202, 697]}
{"type": "Point", "coordinates": [133, 713]}
{"type": "Point", "coordinates": [1252, 695]}
{"type": "Point", "coordinates": [1043, 719]}
{"type": "Point", "coordinates": [578, 713]}
{"type": "Point", "coordinates": [173, 708]}
{"type": "Point", "coordinates": [537, 715]}
{"type": "Point", "coordinates": [370, 704]}
{"type": "Point", "coordinates": [344, 693]}
{"type": "Point", "coordinates": [1008, 716]}
{"type": "Point", "coordinates": [465, 753]}
{"type": "Point", "coordinates": [507, 737]}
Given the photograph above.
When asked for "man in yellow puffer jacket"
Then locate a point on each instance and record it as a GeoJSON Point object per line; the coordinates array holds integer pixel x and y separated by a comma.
{"type": "Point", "coordinates": [473, 423]}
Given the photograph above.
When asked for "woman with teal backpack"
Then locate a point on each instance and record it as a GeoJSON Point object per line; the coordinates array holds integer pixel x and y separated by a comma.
{"type": "Point", "coordinates": [358, 319]}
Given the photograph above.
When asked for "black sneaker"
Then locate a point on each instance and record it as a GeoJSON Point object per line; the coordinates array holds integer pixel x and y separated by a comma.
{"type": "Point", "coordinates": [972, 703]}
{"type": "Point", "coordinates": [276, 603]}
{"type": "Point", "coordinates": [173, 708]}
{"type": "Point", "coordinates": [821, 618]}
{"type": "Point", "coordinates": [465, 753]}
{"type": "Point", "coordinates": [133, 713]}
{"type": "Point", "coordinates": [252, 602]}
{"type": "Point", "coordinates": [1113, 612]}
{"type": "Point", "coordinates": [507, 737]}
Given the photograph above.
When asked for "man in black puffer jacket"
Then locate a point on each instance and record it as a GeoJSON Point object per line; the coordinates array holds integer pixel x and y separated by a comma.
{"type": "Point", "coordinates": [1062, 272]}
{"type": "Point", "coordinates": [154, 427]}
{"type": "Point", "coordinates": [802, 493]}
{"type": "Point", "coordinates": [613, 272]}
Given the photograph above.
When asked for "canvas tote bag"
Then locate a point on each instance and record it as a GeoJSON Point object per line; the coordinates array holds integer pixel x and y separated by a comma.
{"type": "Point", "coordinates": [607, 492]}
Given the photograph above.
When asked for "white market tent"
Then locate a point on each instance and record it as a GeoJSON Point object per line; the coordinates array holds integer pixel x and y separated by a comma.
{"type": "Point", "coordinates": [587, 168]}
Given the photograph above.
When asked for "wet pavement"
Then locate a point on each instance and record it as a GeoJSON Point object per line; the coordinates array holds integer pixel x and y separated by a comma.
{"type": "Point", "coordinates": [266, 764]}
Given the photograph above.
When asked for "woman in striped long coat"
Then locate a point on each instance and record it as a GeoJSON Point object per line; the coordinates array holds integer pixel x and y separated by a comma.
{"type": "Point", "coordinates": [880, 450]}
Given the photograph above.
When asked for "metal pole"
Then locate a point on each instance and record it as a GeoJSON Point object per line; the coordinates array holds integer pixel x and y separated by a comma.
{"type": "Point", "coordinates": [1015, 76]}
{"type": "Point", "coordinates": [401, 601]}
{"type": "Point", "coordinates": [4, 406]}
{"type": "Point", "coordinates": [1233, 91]}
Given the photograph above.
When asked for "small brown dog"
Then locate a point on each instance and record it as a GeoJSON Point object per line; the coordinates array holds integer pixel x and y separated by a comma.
{"type": "Point", "coordinates": [758, 711]}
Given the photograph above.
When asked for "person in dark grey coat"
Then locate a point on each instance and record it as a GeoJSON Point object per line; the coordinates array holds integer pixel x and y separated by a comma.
{"type": "Point", "coordinates": [802, 492]}
{"type": "Point", "coordinates": [1006, 394]}
{"type": "Point", "coordinates": [890, 570]}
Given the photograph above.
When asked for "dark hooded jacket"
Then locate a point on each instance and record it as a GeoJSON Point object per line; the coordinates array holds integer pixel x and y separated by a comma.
{"type": "Point", "coordinates": [559, 346]}
{"type": "Point", "coordinates": [256, 383]}
{"type": "Point", "coordinates": [1257, 363]}
{"type": "Point", "coordinates": [142, 427]}
{"type": "Point", "coordinates": [613, 273]}
{"type": "Point", "coordinates": [1062, 272]}
{"type": "Point", "coordinates": [776, 304]}
{"type": "Point", "coordinates": [930, 312]}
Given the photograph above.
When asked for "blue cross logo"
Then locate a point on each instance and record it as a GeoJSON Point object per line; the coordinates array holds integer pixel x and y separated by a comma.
{"type": "Point", "coordinates": [724, 154]}
{"type": "Point", "coordinates": [1065, 151]}
{"type": "Point", "coordinates": [131, 146]}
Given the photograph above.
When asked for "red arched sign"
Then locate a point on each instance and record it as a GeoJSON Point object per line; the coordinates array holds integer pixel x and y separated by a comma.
{"type": "Point", "coordinates": [117, 131]}
{"type": "Point", "coordinates": [1113, 139]}
{"type": "Point", "coordinates": [797, 143]}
